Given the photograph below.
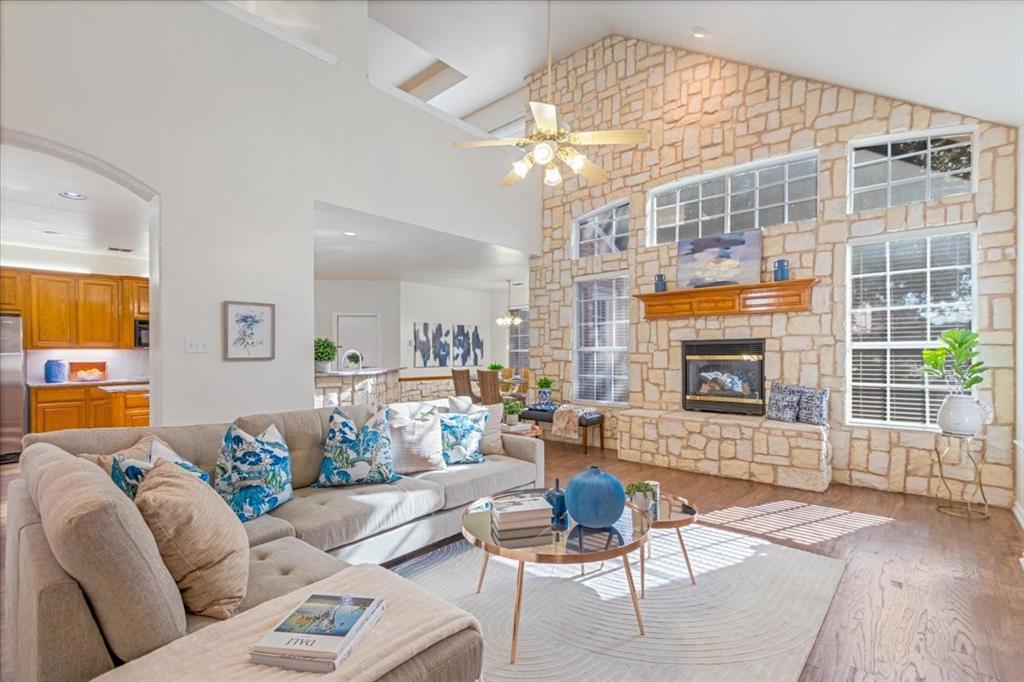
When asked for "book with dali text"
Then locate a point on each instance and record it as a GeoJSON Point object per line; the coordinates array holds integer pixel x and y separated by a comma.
{"type": "Point", "coordinates": [323, 627]}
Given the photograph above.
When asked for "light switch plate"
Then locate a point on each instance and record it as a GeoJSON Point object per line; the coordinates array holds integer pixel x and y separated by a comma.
{"type": "Point", "coordinates": [196, 344]}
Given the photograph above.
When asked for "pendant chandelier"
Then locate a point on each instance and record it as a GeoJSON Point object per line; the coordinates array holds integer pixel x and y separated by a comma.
{"type": "Point", "coordinates": [509, 318]}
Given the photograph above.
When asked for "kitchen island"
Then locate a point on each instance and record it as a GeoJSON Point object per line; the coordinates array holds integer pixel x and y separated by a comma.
{"type": "Point", "coordinates": [373, 386]}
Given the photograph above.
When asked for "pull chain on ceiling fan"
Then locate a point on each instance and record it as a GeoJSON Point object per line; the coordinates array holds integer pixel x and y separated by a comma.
{"type": "Point", "coordinates": [552, 144]}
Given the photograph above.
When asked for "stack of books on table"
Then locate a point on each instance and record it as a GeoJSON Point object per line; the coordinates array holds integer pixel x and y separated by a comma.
{"type": "Point", "coordinates": [521, 427]}
{"type": "Point", "coordinates": [318, 635]}
{"type": "Point", "coordinates": [522, 520]}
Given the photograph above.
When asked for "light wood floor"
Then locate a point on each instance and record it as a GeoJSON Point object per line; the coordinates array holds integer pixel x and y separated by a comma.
{"type": "Point", "coordinates": [924, 597]}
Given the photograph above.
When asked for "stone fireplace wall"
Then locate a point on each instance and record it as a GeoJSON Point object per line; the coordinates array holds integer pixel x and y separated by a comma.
{"type": "Point", "coordinates": [704, 113]}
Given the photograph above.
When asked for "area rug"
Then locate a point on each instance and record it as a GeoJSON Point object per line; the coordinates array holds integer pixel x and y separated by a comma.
{"type": "Point", "coordinates": [753, 614]}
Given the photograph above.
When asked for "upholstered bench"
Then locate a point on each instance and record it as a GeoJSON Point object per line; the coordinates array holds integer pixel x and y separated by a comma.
{"type": "Point", "coordinates": [586, 422]}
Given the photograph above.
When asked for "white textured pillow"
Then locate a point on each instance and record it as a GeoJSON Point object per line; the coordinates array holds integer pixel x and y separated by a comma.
{"type": "Point", "coordinates": [491, 443]}
{"type": "Point", "coordinates": [415, 438]}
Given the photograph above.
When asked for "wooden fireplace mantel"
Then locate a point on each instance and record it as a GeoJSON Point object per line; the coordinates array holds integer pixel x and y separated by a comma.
{"type": "Point", "coordinates": [736, 299]}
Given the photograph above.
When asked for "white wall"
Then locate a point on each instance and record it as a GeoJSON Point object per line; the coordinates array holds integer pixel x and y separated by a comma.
{"type": "Point", "coordinates": [17, 256]}
{"type": "Point", "coordinates": [500, 111]}
{"type": "Point", "coordinates": [332, 298]}
{"type": "Point", "coordinates": [428, 303]}
{"type": "Point", "coordinates": [239, 132]}
{"type": "Point", "coordinates": [498, 351]}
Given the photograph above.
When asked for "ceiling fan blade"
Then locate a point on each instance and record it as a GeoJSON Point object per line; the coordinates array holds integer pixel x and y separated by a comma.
{"type": "Point", "coordinates": [593, 173]}
{"type": "Point", "coordinates": [510, 179]}
{"type": "Point", "coordinates": [609, 137]}
{"type": "Point", "coordinates": [545, 116]}
{"type": "Point", "coordinates": [504, 142]}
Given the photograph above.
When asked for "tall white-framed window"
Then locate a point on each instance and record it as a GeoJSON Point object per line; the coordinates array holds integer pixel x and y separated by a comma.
{"type": "Point", "coordinates": [519, 342]}
{"type": "Point", "coordinates": [893, 170]}
{"type": "Point", "coordinates": [605, 230]}
{"type": "Point", "coordinates": [904, 291]}
{"type": "Point", "coordinates": [601, 338]}
{"type": "Point", "coordinates": [758, 194]}
{"type": "Point", "coordinates": [514, 128]}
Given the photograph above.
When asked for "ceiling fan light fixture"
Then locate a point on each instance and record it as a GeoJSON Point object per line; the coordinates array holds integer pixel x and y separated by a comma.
{"type": "Point", "coordinates": [576, 161]}
{"type": "Point", "coordinates": [523, 165]}
{"type": "Point", "coordinates": [543, 153]}
{"type": "Point", "coordinates": [552, 176]}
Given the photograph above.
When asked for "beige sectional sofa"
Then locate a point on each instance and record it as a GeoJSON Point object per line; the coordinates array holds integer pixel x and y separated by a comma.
{"type": "Point", "coordinates": [58, 632]}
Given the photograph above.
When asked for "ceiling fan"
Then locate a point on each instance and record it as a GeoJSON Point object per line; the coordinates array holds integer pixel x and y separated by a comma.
{"type": "Point", "coordinates": [551, 144]}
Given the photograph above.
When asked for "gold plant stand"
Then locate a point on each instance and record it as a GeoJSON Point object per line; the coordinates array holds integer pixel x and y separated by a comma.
{"type": "Point", "coordinates": [966, 508]}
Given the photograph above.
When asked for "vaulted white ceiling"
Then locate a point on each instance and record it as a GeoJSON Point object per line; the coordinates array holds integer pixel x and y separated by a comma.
{"type": "Point", "coordinates": [964, 56]}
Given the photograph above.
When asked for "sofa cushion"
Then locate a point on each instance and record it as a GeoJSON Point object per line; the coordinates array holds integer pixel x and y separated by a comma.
{"type": "Point", "coordinates": [277, 568]}
{"type": "Point", "coordinates": [128, 467]}
{"type": "Point", "coordinates": [203, 544]}
{"type": "Point", "coordinates": [254, 473]}
{"type": "Point", "coordinates": [491, 443]}
{"type": "Point", "coordinates": [356, 455]}
{"type": "Point", "coordinates": [331, 517]}
{"type": "Point", "coordinates": [267, 528]}
{"type": "Point", "coordinates": [415, 430]}
{"type": "Point", "coordinates": [464, 483]}
{"type": "Point", "coordinates": [99, 537]}
{"type": "Point", "coordinates": [461, 435]}
{"type": "Point", "coordinates": [305, 431]}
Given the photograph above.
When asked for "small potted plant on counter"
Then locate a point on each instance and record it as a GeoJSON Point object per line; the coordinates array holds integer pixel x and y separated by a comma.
{"type": "Point", "coordinates": [324, 353]}
{"type": "Point", "coordinates": [544, 385]}
{"type": "Point", "coordinates": [956, 363]}
{"type": "Point", "coordinates": [495, 366]}
{"type": "Point", "coordinates": [641, 494]}
{"type": "Point", "coordinates": [512, 410]}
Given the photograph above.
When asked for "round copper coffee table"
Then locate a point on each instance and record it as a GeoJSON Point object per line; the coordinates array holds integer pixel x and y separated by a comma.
{"type": "Point", "coordinates": [633, 526]}
{"type": "Point", "coordinates": [672, 512]}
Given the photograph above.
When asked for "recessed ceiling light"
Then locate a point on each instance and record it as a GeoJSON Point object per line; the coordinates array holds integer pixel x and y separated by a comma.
{"type": "Point", "coordinates": [53, 232]}
{"type": "Point", "coordinates": [349, 234]}
{"type": "Point", "coordinates": [73, 195]}
{"type": "Point", "coordinates": [698, 32]}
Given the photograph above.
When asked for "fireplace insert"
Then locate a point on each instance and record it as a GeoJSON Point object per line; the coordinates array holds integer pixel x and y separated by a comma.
{"type": "Point", "coordinates": [724, 376]}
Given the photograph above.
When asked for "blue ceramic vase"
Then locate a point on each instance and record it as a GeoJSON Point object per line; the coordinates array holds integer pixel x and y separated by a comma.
{"type": "Point", "coordinates": [55, 371]}
{"type": "Point", "coordinates": [595, 499]}
{"type": "Point", "coordinates": [781, 273]}
{"type": "Point", "coordinates": [544, 396]}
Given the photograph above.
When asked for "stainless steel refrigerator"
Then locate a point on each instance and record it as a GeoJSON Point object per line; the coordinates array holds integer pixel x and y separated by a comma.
{"type": "Point", "coordinates": [13, 419]}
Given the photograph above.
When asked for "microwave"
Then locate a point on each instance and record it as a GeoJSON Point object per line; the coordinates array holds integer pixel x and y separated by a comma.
{"type": "Point", "coordinates": [142, 333]}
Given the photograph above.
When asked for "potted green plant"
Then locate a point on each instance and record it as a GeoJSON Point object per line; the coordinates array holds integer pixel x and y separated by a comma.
{"type": "Point", "coordinates": [955, 362]}
{"type": "Point", "coordinates": [641, 494]}
{"type": "Point", "coordinates": [354, 359]}
{"type": "Point", "coordinates": [544, 385]}
{"type": "Point", "coordinates": [324, 353]}
{"type": "Point", "coordinates": [495, 366]}
{"type": "Point", "coordinates": [512, 410]}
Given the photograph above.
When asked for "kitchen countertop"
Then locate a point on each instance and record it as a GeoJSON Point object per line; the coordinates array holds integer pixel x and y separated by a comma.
{"type": "Point", "coordinates": [107, 382]}
{"type": "Point", "coordinates": [124, 388]}
{"type": "Point", "coordinates": [365, 372]}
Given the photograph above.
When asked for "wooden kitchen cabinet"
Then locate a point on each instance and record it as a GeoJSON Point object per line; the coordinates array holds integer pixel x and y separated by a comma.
{"type": "Point", "coordinates": [54, 409]}
{"type": "Point", "coordinates": [99, 409]}
{"type": "Point", "coordinates": [98, 308]}
{"type": "Point", "coordinates": [72, 407]}
{"type": "Point", "coordinates": [13, 290]}
{"type": "Point", "coordinates": [53, 311]}
{"type": "Point", "coordinates": [134, 306]}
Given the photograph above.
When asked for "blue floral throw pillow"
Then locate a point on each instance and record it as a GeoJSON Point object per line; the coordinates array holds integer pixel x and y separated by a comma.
{"type": "Point", "coordinates": [128, 467]}
{"type": "Point", "coordinates": [254, 474]}
{"type": "Point", "coordinates": [783, 402]}
{"type": "Point", "coordinates": [461, 435]}
{"type": "Point", "coordinates": [356, 456]}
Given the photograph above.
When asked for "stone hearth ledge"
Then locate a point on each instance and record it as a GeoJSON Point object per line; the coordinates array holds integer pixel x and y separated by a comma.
{"type": "Point", "coordinates": [736, 446]}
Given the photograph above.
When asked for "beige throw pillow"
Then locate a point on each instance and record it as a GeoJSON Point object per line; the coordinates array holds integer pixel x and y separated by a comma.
{"type": "Point", "coordinates": [415, 430]}
{"type": "Point", "coordinates": [202, 542]}
{"type": "Point", "coordinates": [491, 443]}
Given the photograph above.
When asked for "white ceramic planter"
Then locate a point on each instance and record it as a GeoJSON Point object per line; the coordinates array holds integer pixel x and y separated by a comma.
{"type": "Point", "coordinates": [960, 415]}
{"type": "Point", "coordinates": [322, 367]}
{"type": "Point", "coordinates": [643, 500]}
{"type": "Point", "coordinates": [511, 419]}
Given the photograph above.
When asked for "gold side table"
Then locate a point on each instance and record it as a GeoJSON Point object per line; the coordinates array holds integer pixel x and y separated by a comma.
{"type": "Point", "coordinates": [966, 508]}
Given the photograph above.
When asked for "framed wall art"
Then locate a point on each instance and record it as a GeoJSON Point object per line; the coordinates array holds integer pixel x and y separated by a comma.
{"type": "Point", "coordinates": [248, 331]}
